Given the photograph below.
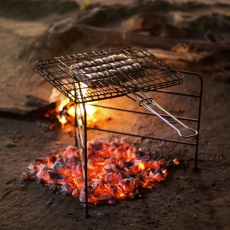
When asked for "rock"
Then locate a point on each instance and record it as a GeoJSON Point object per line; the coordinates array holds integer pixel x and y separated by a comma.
{"type": "Point", "coordinates": [155, 24]}
{"type": "Point", "coordinates": [58, 37]}
{"type": "Point", "coordinates": [36, 9]}
{"type": "Point", "coordinates": [146, 22]}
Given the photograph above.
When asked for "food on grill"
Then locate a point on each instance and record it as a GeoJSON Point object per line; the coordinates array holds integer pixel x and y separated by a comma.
{"type": "Point", "coordinates": [108, 70]}
{"type": "Point", "coordinates": [137, 66]}
{"type": "Point", "coordinates": [114, 58]}
{"type": "Point", "coordinates": [98, 61]}
{"type": "Point", "coordinates": [105, 66]}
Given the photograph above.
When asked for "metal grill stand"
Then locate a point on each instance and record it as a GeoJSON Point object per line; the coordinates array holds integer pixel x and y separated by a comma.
{"type": "Point", "coordinates": [194, 143]}
{"type": "Point", "coordinates": [196, 119]}
{"type": "Point", "coordinates": [128, 71]}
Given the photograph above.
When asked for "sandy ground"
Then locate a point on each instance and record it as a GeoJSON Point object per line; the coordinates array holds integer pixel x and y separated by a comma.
{"type": "Point", "coordinates": [186, 200]}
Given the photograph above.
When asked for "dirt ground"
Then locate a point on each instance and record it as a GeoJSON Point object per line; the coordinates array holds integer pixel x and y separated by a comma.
{"type": "Point", "coordinates": [188, 199]}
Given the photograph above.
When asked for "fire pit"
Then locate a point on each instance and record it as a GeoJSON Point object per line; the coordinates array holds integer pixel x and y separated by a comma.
{"type": "Point", "coordinates": [128, 71]}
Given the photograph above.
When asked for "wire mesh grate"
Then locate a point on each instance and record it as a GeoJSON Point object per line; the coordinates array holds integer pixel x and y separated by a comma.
{"type": "Point", "coordinates": [108, 73]}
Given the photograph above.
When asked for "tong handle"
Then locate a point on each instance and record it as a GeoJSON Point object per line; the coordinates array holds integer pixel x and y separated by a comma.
{"type": "Point", "coordinates": [151, 101]}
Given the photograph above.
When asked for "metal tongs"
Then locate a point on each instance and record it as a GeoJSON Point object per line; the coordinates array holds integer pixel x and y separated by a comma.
{"type": "Point", "coordinates": [146, 101]}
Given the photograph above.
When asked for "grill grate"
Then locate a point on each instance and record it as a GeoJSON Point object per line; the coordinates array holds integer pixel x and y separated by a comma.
{"type": "Point", "coordinates": [107, 74]}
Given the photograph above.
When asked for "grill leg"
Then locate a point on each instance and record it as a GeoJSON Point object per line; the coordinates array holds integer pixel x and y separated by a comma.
{"type": "Point", "coordinates": [198, 122]}
{"type": "Point", "coordinates": [81, 143]}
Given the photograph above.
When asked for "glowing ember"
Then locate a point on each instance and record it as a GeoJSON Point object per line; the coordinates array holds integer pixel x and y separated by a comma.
{"type": "Point", "coordinates": [176, 162]}
{"type": "Point", "coordinates": [116, 171]}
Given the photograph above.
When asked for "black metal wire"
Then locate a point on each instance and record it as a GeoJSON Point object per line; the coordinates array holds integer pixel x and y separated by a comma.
{"type": "Point", "coordinates": [153, 75]}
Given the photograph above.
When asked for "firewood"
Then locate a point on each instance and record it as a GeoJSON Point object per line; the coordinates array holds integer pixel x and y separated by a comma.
{"type": "Point", "coordinates": [34, 114]}
{"type": "Point", "coordinates": [18, 114]}
{"type": "Point", "coordinates": [12, 113]}
{"type": "Point", "coordinates": [34, 101]}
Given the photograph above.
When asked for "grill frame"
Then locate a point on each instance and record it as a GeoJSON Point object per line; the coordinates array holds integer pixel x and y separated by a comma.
{"type": "Point", "coordinates": [176, 78]}
{"type": "Point", "coordinates": [154, 75]}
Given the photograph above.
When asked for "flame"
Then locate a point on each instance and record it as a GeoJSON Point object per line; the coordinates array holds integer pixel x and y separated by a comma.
{"type": "Point", "coordinates": [65, 110]}
{"type": "Point", "coordinates": [90, 110]}
{"type": "Point", "coordinates": [62, 119]}
{"type": "Point", "coordinates": [65, 104]}
{"type": "Point", "coordinates": [71, 111]}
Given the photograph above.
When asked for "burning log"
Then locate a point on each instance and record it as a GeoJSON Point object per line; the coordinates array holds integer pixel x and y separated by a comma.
{"type": "Point", "coordinates": [59, 113]}
{"type": "Point", "coordinates": [111, 177]}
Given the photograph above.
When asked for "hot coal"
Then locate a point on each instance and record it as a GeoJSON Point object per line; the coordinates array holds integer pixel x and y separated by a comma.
{"type": "Point", "coordinates": [116, 170]}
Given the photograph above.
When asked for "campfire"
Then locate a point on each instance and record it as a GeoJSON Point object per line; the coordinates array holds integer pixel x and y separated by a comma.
{"type": "Point", "coordinates": [107, 170]}
{"type": "Point", "coordinates": [116, 170]}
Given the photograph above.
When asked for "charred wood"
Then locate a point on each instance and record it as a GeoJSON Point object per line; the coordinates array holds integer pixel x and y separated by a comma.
{"type": "Point", "coordinates": [18, 114]}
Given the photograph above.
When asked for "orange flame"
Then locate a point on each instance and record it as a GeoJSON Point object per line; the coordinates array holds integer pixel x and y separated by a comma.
{"type": "Point", "coordinates": [90, 110]}
{"type": "Point", "coordinates": [66, 110]}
